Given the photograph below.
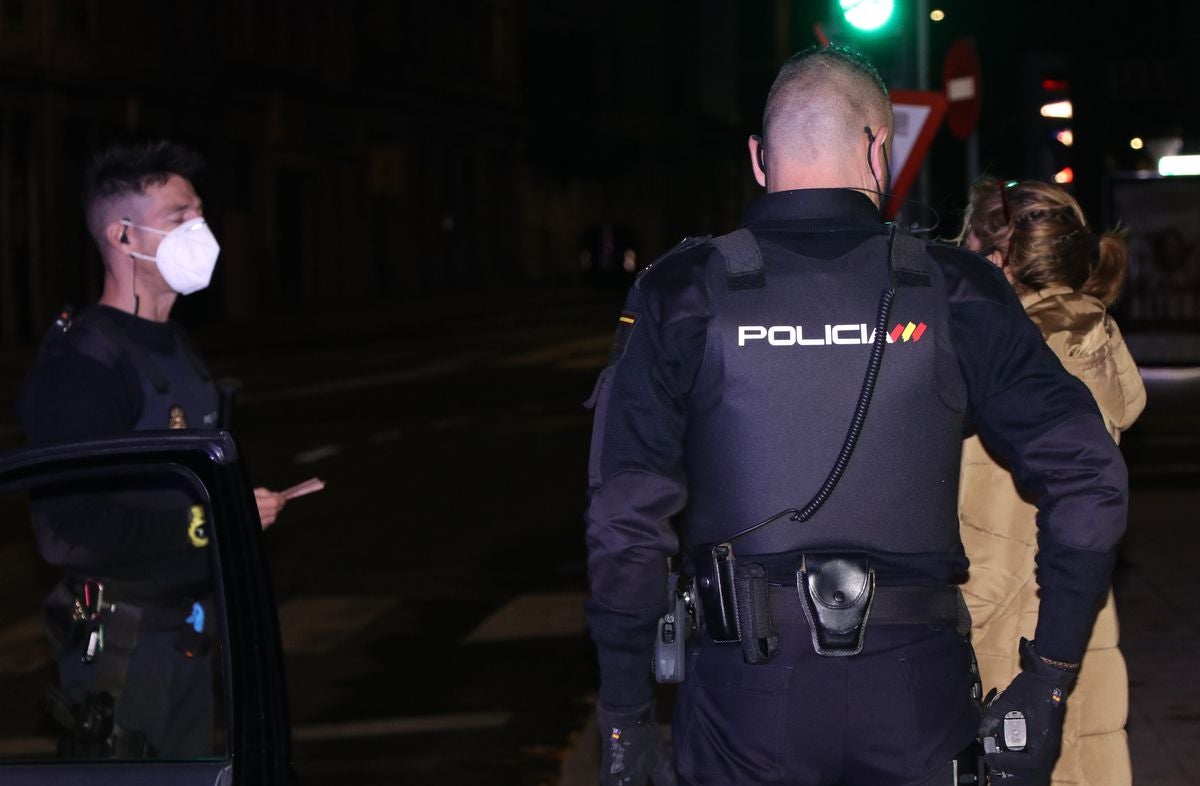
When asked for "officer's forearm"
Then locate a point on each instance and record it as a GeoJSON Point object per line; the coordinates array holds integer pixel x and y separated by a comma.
{"type": "Point", "coordinates": [629, 538]}
{"type": "Point", "coordinates": [624, 648]}
{"type": "Point", "coordinates": [1073, 586]}
{"type": "Point", "coordinates": [1081, 518]}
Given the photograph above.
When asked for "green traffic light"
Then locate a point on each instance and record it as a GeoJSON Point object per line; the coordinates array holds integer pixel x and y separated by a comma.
{"type": "Point", "coordinates": [867, 14]}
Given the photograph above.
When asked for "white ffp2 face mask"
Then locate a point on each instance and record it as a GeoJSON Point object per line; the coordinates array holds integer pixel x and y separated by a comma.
{"type": "Point", "coordinates": [186, 255]}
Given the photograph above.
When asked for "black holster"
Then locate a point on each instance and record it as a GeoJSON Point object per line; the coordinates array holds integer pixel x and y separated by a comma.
{"type": "Point", "coordinates": [87, 730]}
{"type": "Point", "coordinates": [737, 604]}
{"type": "Point", "coordinates": [837, 591]}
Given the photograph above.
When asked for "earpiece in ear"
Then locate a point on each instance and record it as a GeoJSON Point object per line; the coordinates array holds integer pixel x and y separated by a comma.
{"type": "Point", "coordinates": [124, 238]}
{"type": "Point", "coordinates": [870, 163]}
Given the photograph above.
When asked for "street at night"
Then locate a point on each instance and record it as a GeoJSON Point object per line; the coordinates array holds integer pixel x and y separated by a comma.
{"type": "Point", "coordinates": [431, 596]}
{"type": "Point", "coordinates": [429, 220]}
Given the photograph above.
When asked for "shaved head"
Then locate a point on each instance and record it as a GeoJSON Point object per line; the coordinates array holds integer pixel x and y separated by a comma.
{"type": "Point", "coordinates": [818, 106]}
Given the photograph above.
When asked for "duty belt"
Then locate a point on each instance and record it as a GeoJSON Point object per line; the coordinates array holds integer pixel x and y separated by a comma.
{"type": "Point", "coordinates": [910, 605]}
{"type": "Point", "coordinates": [143, 593]}
{"type": "Point", "coordinates": [163, 606]}
{"type": "Point", "coordinates": [834, 594]}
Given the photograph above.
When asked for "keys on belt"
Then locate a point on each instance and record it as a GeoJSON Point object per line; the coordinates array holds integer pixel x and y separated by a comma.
{"type": "Point", "coordinates": [90, 610]}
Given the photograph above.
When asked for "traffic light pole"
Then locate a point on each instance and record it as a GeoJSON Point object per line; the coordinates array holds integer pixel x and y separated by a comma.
{"type": "Point", "coordinates": [922, 83]}
{"type": "Point", "coordinates": [922, 80]}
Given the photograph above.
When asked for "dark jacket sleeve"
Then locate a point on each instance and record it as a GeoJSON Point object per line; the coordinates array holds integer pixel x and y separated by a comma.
{"type": "Point", "coordinates": [1045, 425]}
{"type": "Point", "coordinates": [636, 486]}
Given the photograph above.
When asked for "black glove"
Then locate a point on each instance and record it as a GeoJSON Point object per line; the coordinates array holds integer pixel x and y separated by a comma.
{"type": "Point", "coordinates": [633, 751]}
{"type": "Point", "coordinates": [1039, 693]}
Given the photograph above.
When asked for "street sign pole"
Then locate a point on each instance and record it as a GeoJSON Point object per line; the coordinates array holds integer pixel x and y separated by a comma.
{"type": "Point", "coordinates": [961, 78]}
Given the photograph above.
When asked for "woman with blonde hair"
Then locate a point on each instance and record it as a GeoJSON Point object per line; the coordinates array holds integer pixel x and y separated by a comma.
{"type": "Point", "coordinates": [1066, 275]}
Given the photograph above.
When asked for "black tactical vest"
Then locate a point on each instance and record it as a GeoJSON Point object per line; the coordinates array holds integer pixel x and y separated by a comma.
{"type": "Point", "coordinates": [787, 350]}
{"type": "Point", "coordinates": [177, 389]}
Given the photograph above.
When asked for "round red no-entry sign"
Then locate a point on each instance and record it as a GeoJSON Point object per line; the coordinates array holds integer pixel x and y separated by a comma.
{"type": "Point", "coordinates": [960, 78]}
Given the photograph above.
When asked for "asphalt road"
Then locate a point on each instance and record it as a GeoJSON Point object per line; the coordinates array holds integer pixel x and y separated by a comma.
{"type": "Point", "coordinates": [431, 596]}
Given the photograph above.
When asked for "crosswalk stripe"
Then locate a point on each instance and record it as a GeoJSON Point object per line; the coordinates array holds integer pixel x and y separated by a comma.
{"type": "Point", "coordinates": [24, 647]}
{"type": "Point", "coordinates": [593, 362]}
{"type": "Point", "coordinates": [558, 352]}
{"type": "Point", "coordinates": [316, 625]}
{"type": "Point", "coordinates": [316, 454]}
{"type": "Point", "coordinates": [533, 616]}
{"type": "Point", "coordinates": [14, 747]}
{"type": "Point", "coordinates": [389, 727]}
{"type": "Point", "coordinates": [362, 382]}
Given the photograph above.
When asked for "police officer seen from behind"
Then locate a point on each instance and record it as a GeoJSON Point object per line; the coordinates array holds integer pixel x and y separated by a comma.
{"type": "Point", "coordinates": [785, 407]}
{"type": "Point", "coordinates": [136, 675]}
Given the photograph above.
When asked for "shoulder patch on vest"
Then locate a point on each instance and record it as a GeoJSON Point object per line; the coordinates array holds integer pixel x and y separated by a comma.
{"type": "Point", "coordinates": [625, 325]}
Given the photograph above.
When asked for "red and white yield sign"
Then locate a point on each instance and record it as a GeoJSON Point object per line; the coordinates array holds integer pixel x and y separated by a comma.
{"type": "Point", "coordinates": [918, 115]}
{"type": "Point", "coordinates": [961, 76]}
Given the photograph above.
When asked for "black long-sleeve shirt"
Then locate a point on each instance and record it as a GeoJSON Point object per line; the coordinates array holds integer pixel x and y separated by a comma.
{"type": "Point", "coordinates": [1030, 411]}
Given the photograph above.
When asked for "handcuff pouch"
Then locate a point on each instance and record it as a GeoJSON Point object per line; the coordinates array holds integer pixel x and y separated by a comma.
{"type": "Point", "coordinates": [836, 591]}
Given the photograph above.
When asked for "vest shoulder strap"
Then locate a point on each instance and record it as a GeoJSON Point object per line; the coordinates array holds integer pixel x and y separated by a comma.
{"type": "Point", "coordinates": [744, 262]}
{"type": "Point", "coordinates": [101, 339]}
{"type": "Point", "coordinates": [910, 263]}
{"type": "Point", "coordinates": [743, 259]}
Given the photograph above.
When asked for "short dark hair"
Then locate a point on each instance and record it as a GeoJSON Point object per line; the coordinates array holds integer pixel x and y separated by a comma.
{"type": "Point", "coordinates": [838, 56]}
{"type": "Point", "coordinates": [124, 169]}
{"type": "Point", "coordinates": [846, 55]}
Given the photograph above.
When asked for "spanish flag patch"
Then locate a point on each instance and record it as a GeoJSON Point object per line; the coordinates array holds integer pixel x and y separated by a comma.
{"type": "Point", "coordinates": [625, 325]}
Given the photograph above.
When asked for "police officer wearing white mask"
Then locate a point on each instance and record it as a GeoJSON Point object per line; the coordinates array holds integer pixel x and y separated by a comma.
{"type": "Point", "coordinates": [138, 680]}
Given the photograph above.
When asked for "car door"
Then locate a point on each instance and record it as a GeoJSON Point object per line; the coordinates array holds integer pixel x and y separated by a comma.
{"type": "Point", "coordinates": [237, 648]}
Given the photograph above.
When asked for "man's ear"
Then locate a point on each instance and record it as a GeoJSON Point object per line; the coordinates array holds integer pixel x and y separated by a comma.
{"type": "Point", "coordinates": [116, 235]}
{"type": "Point", "coordinates": [879, 156]}
{"type": "Point", "coordinates": [757, 155]}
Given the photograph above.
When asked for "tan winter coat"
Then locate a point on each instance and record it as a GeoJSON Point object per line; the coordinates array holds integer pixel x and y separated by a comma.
{"type": "Point", "coordinates": [999, 532]}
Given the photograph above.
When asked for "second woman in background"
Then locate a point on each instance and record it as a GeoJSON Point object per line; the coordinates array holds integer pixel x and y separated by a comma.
{"type": "Point", "coordinates": [1066, 276]}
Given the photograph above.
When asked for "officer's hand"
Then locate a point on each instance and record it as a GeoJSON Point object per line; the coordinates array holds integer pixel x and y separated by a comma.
{"type": "Point", "coordinates": [1039, 693]}
{"type": "Point", "coordinates": [633, 751]}
{"type": "Point", "coordinates": [269, 504]}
